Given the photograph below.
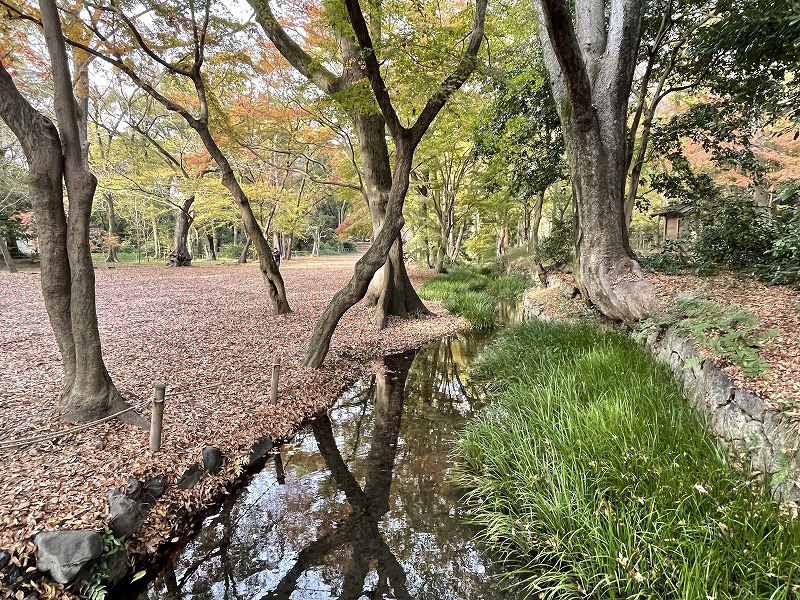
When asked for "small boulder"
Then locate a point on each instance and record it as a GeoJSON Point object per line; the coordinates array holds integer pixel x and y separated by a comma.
{"type": "Point", "coordinates": [259, 452]}
{"type": "Point", "coordinates": [5, 558]}
{"type": "Point", "coordinates": [190, 477]}
{"type": "Point", "coordinates": [212, 459]}
{"type": "Point", "coordinates": [127, 515]}
{"type": "Point", "coordinates": [64, 553]}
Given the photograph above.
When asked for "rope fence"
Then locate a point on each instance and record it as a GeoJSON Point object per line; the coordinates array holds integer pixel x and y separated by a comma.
{"type": "Point", "coordinates": [57, 434]}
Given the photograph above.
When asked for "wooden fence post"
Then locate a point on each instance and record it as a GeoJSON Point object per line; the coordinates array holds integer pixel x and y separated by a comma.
{"type": "Point", "coordinates": [157, 418]}
{"type": "Point", "coordinates": [276, 372]}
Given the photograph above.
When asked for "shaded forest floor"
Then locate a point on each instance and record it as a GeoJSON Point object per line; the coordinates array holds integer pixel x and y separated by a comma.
{"type": "Point", "coordinates": [209, 335]}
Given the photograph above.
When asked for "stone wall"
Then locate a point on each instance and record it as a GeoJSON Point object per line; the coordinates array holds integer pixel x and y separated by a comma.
{"type": "Point", "coordinates": [737, 418]}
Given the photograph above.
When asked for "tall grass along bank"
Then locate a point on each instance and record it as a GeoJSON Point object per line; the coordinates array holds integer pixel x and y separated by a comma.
{"type": "Point", "coordinates": [593, 479]}
{"type": "Point", "coordinates": [474, 295]}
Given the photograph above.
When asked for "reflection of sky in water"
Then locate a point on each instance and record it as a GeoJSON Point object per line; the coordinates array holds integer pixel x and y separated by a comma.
{"type": "Point", "coordinates": [258, 540]}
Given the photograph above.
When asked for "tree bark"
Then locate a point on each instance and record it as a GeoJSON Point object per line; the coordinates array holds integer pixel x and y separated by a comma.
{"type": "Point", "coordinates": [591, 73]}
{"type": "Point", "coordinates": [112, 228]}
{"type": "Point", "coordinates": [67, 272]}
{"type": "Point", "coordinates": [212, 251]}
{"type": "Point", "coordinates": [180, 255]}
{"type": "Point", "coordinates": [12, 268]}
{"type": "Point", "coordinates": [245, 250]}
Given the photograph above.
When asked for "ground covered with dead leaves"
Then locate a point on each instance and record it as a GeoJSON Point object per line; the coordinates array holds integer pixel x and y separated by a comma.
{"type": "Point", "coordinates": [209, 335]}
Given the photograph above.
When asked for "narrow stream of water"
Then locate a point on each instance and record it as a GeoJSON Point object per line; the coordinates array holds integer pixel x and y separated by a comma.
{"type": "Point", "coordinates": [366, 510]}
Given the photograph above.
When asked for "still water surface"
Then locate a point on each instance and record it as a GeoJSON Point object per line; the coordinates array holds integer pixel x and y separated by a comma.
{"type": "Point", "coordinates": [366, 510]}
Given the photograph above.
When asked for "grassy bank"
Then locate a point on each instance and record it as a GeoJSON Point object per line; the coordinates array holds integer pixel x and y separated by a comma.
{"type": "Point", "coordinates": [593, 479]}
{"type": "Point", "coordinates": [474, 295]}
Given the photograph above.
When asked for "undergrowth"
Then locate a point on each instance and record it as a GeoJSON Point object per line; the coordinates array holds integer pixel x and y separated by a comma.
{"type": "Point", "coordinates": [730, 331]}
{"type": "Point", "coordinates": [593, 480]}
{"type": "Point", "coordinates": [475, 294]}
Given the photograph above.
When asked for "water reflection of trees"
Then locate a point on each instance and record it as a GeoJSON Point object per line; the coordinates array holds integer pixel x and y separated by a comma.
{"type": "Point", "coordinates": [335, 525]}
{"type": "Point", "coordinates": [359, 534]}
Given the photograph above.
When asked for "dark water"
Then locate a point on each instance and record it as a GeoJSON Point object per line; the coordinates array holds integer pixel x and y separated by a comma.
{"type": "Point", "coordinates": [366, 510]}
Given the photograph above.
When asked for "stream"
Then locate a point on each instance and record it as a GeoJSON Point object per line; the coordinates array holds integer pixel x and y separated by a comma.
{"type": "Point", "coordinates": [365, 510]}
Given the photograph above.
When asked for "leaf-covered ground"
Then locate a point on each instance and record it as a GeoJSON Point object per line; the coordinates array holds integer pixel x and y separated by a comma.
{"type": "Point", "coordinates": [776, 307]}
{"type": "Point", "coordinates": [206, 332]}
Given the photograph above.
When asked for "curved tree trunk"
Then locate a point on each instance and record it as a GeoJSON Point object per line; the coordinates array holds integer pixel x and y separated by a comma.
{"type": "Point", "coordinates": [67, 272]}
{"type": "Point", "coordinates": [390, 291]}
{"type": "Point", "coordinates": [590, 74]}
{"type": "Point", "coordinates": [180, 255]}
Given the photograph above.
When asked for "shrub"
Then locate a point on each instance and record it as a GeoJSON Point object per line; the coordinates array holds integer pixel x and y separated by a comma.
{"type": "Point", "coordinates": [672, 257]}
{"type": "Point", "coordinates": [558, 247]}
{"type": "Point", "coordinates": [734, 233]}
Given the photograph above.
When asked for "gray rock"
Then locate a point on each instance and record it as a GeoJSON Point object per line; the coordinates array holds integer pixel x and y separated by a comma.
{"type": "Point", "coordinates": [718, 384]}
{"type": "Point", "coordinates": [127, 514]}
{"type": "Point", "coordinates": [64, 553]}
{"type": "Point", "coordinates": [116, 567]}
{"type": "Point", "coordinates": [190, 477]}
{"type": "Point", "coordinates": [5, 557]}
{"type": "Point", "coordinates": [212, 459]}
{"type": "Point", "coordinates": [259, 452]}
{"type": "Point", "coordinates": [750, 403]}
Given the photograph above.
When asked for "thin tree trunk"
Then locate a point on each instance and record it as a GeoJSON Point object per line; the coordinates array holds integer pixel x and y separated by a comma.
{"type": "Point", "coordinates": [112, 228]}
{"type": "Point", "coordinates": [12, 268]}
{"type": "Point", "coordinates": [212, 252]}
{"type": "Point", "coordinates": [245, 250]}
{"type": "Point", "coordinates": [457, 245]}
{"type": "Point", "coordinates": [537, 221]}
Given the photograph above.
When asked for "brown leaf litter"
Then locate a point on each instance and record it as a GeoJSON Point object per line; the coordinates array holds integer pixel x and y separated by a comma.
{"type": "Point", "coordinates": [209, 334]}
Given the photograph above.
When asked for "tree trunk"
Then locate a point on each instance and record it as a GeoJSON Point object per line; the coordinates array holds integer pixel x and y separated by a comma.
{"type": "Point", "coordinates": [390, 291]}
{"type": "Point", "coordinates": [67, 272]}
{"type": "Point", "coordinates": [273, 280]}
{"type": "Point", "coordinates": [12, 268]}
{"type": "Point", "coordinates": [537, 221]}
{"type": "Point", "coordinates": [591, 75]}
{"type": "Point", "coordinates": [212, 252]}
{"type": "Point", "coordinates": [180, 255]}
{"type": "Point", "coordinates": [112, 228]}
{"type": "Point", "coordinates": [457, 245]}
{"type": "Point", "coordinates": [245, 250]}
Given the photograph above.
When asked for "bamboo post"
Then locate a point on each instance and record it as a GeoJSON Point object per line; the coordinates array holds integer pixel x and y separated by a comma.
{"type": "Point", "coordinates": [157, 418]}
{"type": "Point", "coordinates": [280, 474]}
{"type": "Point", "coordinates": [276, 373]}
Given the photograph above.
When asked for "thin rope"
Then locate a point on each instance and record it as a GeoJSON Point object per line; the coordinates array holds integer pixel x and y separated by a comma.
{"type": "Point", "coordinates": [57, 434]}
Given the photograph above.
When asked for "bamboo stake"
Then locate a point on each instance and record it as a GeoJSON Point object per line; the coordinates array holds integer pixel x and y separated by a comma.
{"type": "Point", "coordinates": [157, 418]}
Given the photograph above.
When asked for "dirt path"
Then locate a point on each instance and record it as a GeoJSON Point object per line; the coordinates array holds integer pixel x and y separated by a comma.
{"type": "Point", "coordinates": [207, 333]}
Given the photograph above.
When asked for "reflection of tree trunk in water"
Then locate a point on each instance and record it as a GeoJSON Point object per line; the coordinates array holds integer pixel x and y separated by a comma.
{"type": "Point", "coordinates": [360, 529]}
{"type": "Point", "coordinates": [245, 250]}
{"type": "Point", "coordinates": [12, 268]}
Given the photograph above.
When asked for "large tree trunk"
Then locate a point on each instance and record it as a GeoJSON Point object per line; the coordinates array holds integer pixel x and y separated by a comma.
{"type": "Point", "coordinates": [180, 255]}
{"type": "Point", "coordinates": [212, 251]}
{"type": "Point", "coordinates": [390, 291]}
{"type": "Point", "coordinates": [67, 273]}
{"type": "Point", "coordinates": [591, 74]}
{"type": "Point", "coordinates": [12, 268]}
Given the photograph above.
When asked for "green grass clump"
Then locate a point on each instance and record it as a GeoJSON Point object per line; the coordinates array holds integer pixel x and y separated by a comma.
{"type": "Point", "coordinates": [475, 307]}
{"type": "Point", "coordinates": [474, 295]}
{"type": "Point", "coordinates": [593, 480]}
